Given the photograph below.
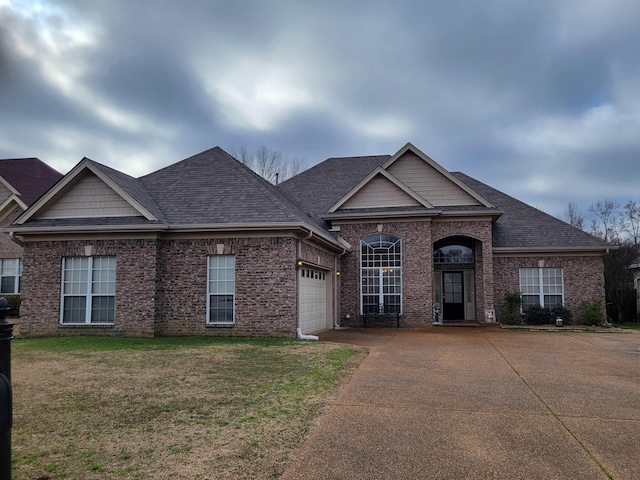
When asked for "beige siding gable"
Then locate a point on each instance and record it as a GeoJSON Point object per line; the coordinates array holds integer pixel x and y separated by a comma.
{"type": "Point", "coordinates": [88, 197]}
{"type": "Point", "coordinates": [427, 182]}
{"type": "Point", "coordinates": [379, 192]}
{"type": "Point", "coordinates": [4, 192]}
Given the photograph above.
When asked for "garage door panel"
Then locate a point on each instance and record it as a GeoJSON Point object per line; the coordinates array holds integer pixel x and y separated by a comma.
{"type": "Point", "coordinates": [313, 300]}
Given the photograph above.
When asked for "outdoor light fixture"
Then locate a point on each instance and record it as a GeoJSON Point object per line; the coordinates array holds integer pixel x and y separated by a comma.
{"type": "Point", "coordinates": [298, 263]}
{"type": "Point", "coordinates": [337, 274]}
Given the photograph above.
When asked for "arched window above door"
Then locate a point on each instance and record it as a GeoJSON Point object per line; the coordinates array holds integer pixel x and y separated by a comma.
{"type": "Point", "coordinates": [453, 250]}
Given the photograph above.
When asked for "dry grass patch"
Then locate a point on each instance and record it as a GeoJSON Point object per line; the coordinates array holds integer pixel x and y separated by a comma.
{"type": "Point", "coordinates": [100, 408]}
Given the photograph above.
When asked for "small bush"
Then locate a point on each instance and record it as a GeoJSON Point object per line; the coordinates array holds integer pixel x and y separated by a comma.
{"type": "Point", "coordinates": [591, 313]}
{"type": "Point", "coordinates": [537, 315]}
{"type": "Point", "coordinates": [564, 313]}
{"type": "Point", "coordinates": [511, 310]}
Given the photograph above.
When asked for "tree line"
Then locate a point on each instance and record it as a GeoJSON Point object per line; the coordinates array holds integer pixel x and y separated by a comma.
{"type": "Point", "coordinates": [618, 224]}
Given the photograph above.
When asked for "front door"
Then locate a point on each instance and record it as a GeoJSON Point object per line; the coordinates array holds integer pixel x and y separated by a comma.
{"type": "Point", "coordinates": [453, 296]}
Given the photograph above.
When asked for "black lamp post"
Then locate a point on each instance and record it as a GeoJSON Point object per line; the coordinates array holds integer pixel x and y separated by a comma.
{"type": "Point", "coordinates": [6, 401]}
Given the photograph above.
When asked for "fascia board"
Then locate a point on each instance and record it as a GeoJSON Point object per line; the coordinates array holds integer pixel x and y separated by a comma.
{"type": "Point", "coordinates": [410, 147]}
{"type": "Point", "coordinates": [344, 215]}
{"type": "Point", "coordinates": [512, 251]}
{"type": "Point", "coordinates": [13, 198]}
{"type": "Point", "coordinates": [204, 228]}
{"type": "Point", "coordinates": [388, 176]}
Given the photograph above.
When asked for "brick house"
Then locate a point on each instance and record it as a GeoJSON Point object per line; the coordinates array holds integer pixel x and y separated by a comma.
{"type": "Point", "coordinates": [207, 247]}
{"type": "Point", "coordinates": [22, 182]}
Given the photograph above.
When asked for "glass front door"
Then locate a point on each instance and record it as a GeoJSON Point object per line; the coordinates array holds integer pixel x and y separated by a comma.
{"type": "Point", "coordinates": [453, 296]}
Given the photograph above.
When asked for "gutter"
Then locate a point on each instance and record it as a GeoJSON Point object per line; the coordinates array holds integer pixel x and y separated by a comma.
{"type": "Point", "coordinates": [15, 238]}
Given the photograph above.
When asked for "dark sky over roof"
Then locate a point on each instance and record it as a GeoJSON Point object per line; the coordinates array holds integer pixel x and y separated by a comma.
{"type": "Point", "coordinates": [521, 95]}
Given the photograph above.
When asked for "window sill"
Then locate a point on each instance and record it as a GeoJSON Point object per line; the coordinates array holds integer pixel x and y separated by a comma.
{"type": "Point", "coordinates": [86, 325]}
{"type": "Point", "coordinates": [220, 325]}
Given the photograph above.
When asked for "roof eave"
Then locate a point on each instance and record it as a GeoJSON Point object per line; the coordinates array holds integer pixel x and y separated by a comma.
{"type": "Point", "coordinates": [368, 215]}
{"type": "Point", "coordinates": [599, 249]}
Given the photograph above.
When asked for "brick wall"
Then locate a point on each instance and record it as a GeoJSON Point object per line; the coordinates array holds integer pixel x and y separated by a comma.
{"type": "Point", "coordinates": [135, 287]}
{"type": "Point", "coordinates": [265, 286]}
{"type": "Point", "coordinates": [418, 238]}
{"type": "Point", "coordinates": [583, 277]}
{"type": "Point", "coordinates": [417, 270]}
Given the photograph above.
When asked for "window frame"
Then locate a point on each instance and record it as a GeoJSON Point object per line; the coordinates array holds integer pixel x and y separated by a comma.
{"type": "Point", "coordinates": [389, 276]}
{"type": "Point", "coordinates": [219, 282]}
{"type": "Point", "coordinates": [541, 286]}
{"type": "Point", "coordinates": [93, 279]}
{"type": "Point", "coordinates": [17, 278]}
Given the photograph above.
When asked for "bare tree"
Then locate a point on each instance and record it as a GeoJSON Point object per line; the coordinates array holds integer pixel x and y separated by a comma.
{"type": "Point", "coordinates": [631, 219]}
{"type": "Point", "coordinates": [574, 216]}
{"type": "Point", "coordinates": [605, 222]}
{"type": "Point", "coordinates": [269, 164]}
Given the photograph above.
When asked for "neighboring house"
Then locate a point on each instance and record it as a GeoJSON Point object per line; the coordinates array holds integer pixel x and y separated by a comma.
{"type": "Point", "coordinates": [207, 247]}
{"type": "Point", "coordinates": [22, 182]}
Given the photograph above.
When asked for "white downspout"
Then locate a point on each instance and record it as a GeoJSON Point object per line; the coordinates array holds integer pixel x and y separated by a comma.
{"type": "Point", "coordinates": [306, 337]}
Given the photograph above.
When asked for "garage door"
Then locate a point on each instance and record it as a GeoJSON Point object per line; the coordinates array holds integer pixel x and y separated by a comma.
{"type": "Point", "coordinates": [313, 300]}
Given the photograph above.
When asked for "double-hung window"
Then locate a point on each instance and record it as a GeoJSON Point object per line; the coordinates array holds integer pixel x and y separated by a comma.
{"type": "Point", "coordinates": [88, 290]}
{"type": "Point", "coordinates": [10, 275]}
{"type": "Point", "coordinates": [221, 289]}
{"type": "Point", "coordinates": [542, 287]}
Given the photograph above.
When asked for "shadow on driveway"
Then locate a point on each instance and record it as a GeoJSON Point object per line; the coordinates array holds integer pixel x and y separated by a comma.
{"type": "Point", "coordinates": [461, 403]}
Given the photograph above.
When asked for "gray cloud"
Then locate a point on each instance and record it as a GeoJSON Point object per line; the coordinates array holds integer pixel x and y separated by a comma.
{"type": "Point", "coordinates": [539, 99]}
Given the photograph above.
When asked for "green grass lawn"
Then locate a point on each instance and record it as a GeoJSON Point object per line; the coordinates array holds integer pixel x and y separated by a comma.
{"type": "Point", "coordinates": [178, 408]}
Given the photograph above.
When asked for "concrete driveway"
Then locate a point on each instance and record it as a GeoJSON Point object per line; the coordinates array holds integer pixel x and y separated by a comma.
{"type": "Point", "coordinates": [465, 402]}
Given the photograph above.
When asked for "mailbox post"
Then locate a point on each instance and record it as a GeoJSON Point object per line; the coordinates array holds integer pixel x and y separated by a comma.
{"type": "Point", "coordinates": [6, 400]}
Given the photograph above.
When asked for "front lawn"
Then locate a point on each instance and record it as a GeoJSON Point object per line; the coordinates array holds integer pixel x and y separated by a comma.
{"type": "Point", "coordinates": [167, 408]}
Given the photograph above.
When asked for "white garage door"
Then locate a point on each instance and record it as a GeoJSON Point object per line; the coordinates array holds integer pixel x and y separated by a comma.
{"type": "Point", "coordinates": [313, 300]}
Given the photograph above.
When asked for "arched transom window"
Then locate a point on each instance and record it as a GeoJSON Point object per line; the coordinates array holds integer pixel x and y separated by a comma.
{"type": "Point", "coordinates": [381, 274]}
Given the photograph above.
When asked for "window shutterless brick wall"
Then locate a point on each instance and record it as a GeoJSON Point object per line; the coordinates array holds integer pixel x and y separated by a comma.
{"type": "Point", "coordinates": [135, 305]}
{"type": "Point", "coordinates": [583, 277]}
{"type": "Point", "coordinates": [265, 296]}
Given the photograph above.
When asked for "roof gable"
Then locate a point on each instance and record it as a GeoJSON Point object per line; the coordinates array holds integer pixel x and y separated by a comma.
{"type": "Point", "coordinates": [379, 189]}
{"type": "Point", "coordinates": [430, 180]}
{"type": "Point", "coordinates": [65, 199]}
{"type": "Point", "coordinates": [88, 196]}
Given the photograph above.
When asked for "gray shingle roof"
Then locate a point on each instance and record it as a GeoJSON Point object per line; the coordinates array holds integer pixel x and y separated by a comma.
{"type": "Point", "coordinates": [214, 188]}
{"type": "Point", "coordinates": [317, 189]}
{"type": "Point", "coordinates": [523, 226]}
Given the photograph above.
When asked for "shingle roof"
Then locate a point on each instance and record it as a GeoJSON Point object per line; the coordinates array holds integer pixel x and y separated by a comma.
{"type": "Point", "coordinates": [214, 188]}
{"type": "Point", "coordinates": [523, 226]}
{"type": "Point", "coordinates": [31, 177]}
{"type": "Point", "coordinates": [317, 189]}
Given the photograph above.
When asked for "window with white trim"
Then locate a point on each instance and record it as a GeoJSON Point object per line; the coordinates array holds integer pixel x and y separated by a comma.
{"type": "Point", "coordinates": [381, 274]}
{"type": "Point", "coordinates": [88, 290]}
{"type": "Point", "coordinates": [542, 287]}
{"type": "Point", "coordinates": [221, 289]}
{"type": "Point", "coordinates": [10, 275]}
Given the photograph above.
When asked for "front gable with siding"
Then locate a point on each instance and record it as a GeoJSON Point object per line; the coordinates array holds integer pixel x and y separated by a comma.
{"type": "Point", "coordinates": [207, 247]}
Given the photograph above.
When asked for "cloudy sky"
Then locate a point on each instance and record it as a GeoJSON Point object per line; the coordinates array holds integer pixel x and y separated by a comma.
{"type": "Point", "coordinates": [540, 99]}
